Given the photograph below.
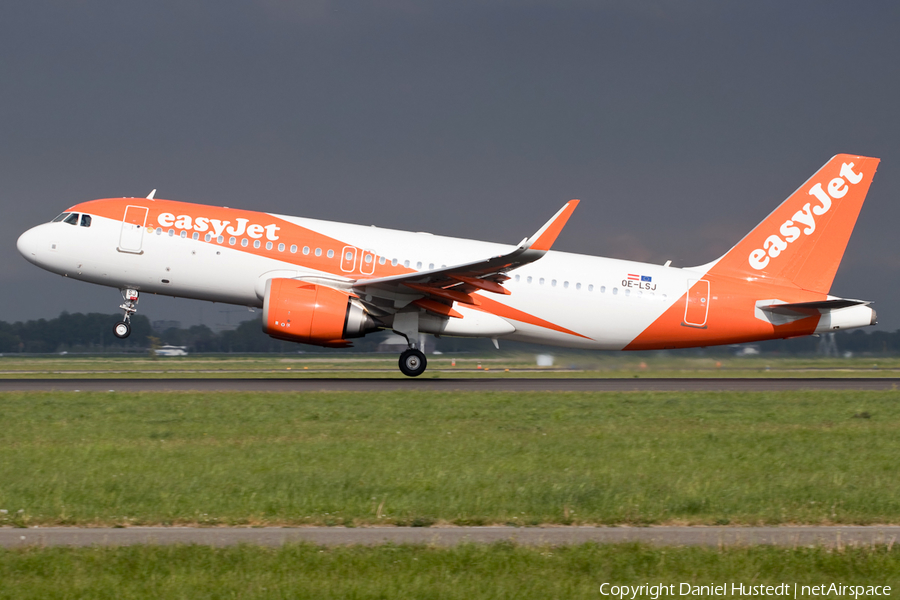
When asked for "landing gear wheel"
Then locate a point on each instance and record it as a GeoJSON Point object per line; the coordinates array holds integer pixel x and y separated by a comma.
{"type": "Point", "coordinates": [413, 363]}
{"type": "Point", "coordinates": [122, 330]}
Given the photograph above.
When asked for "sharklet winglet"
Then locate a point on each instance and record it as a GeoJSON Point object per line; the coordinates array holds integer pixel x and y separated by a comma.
{"type": "Point", "coordinates": [545, 237]}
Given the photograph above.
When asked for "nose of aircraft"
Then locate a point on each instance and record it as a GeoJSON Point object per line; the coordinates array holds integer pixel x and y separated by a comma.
{"type": "Point", "coordinates": [29, 243]}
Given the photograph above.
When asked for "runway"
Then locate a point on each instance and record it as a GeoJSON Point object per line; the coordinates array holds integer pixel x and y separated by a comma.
{"type": "Point", "coordinates": [449, 536]}
{"type": "Point", "coordinates": [472, 384]}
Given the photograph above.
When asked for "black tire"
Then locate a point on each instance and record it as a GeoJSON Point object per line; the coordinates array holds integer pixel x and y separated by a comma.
{"type": "Point", "coordinates": [413, 363]}
{"type": "Point", "coordinates": [122, 330]}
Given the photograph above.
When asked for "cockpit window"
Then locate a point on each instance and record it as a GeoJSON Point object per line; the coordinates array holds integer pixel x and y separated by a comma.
{"type": "Point", "coordinates": [85, 220]}
{"type": "Point", "coordinates": [60, 218]}
{"type": "Point", "coordinates": [72, 219]}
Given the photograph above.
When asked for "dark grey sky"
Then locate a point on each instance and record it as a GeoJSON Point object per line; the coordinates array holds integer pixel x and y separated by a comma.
{"type": "Point", "coordinates": [679, 125]}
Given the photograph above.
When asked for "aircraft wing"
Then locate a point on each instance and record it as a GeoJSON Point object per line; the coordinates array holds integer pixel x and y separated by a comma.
{"type": "Point", "coordinates": [437, 289]}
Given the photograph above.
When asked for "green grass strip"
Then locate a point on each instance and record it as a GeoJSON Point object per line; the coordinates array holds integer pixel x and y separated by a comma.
{"type": "Point", "coordinates": [462, 458]}
{"type": "Point", "coordinates": [467, 572]}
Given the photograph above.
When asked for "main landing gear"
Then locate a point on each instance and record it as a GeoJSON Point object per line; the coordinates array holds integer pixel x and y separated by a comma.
{"type": "Point", "coordinates": [122, 329]}
{"type": "Point", "coordinates": [413, 362]}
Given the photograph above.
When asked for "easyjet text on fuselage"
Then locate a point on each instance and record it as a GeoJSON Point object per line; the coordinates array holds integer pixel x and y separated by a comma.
{"type": "Point", "coordinates": [219, 227]}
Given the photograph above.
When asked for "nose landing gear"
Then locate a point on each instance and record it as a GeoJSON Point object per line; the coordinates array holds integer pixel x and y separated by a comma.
{"type": "Point", "coordinates": [122, 329]}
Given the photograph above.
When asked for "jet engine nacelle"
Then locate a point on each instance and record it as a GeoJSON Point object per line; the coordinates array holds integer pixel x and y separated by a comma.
{"type": "Point", "coordinates": [299, 311]}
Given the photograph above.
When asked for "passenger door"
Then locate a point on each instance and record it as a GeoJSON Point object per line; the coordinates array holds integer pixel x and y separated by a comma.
{"type": "Point", "coordinates": [696, 309]}
{"type": "Point", "coordinates": [131, 237]}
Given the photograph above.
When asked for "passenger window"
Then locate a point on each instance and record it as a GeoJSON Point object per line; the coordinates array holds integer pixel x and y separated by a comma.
{"type": "Point", "coordinates": [60, 218]}
{"type": "Point", "coordinates": [72, 219]}
{"type": "Point", "coordinates": [85, 220]}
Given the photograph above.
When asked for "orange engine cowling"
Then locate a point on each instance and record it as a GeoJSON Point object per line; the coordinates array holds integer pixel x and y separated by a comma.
{"type": "Point", "coordinates": [303, 312]}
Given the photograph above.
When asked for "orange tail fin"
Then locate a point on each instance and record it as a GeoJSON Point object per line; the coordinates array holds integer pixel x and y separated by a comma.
{"type": "Point", "coordinates": [801, 242]}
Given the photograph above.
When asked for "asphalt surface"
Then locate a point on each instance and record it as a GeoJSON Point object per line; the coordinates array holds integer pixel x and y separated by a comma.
{"type": "Point", "coordinates": [438, 385]}
{"type": "Point", "coordinates": [369, 536]}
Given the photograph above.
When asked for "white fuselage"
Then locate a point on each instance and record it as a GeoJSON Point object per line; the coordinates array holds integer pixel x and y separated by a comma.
{"type": "Point", "coordinates": [592, 296]}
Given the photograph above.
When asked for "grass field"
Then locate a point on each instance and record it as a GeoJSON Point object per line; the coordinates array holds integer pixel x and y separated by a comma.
{"type": "Point", "coordinates": [457, 458]}
{"type": "Point", "coordinates": [466, 572]}
{"type": "Point", "coordinates": [498, 364]}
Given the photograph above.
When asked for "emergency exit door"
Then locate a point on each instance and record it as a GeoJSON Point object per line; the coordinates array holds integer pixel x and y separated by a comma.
{"type": "Point", "coordinates": [348, 259]}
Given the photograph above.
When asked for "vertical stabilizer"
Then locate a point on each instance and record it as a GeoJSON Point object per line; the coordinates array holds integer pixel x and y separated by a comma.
{"type": "Point", "coordinates": [801, 242]}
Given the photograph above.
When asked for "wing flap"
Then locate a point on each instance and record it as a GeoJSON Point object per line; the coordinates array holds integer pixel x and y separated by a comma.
{"type": "Point", "coordinates": [438, 308]}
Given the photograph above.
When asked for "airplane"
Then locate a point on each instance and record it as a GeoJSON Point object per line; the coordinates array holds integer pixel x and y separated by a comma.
{"type": "Point", "coordinates": [326, 283]}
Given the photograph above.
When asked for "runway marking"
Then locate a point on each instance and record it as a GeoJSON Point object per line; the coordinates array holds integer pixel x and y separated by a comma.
{"type": "Point", "coordinates": [836, 536]}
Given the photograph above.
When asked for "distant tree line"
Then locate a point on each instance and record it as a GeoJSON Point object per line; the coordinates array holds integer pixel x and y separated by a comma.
{"type": "Point", "coordinates": [93, 332]}
{"type": "Point", "coordinates": [90, 332]}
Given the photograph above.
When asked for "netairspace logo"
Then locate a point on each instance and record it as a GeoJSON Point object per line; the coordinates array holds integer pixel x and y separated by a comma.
{"type": "Point", "coordinates": [786, 590]}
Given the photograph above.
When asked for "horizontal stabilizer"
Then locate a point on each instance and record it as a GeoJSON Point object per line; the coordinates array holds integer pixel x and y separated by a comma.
{"type": "Point", "coordinates": [820, 307]}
